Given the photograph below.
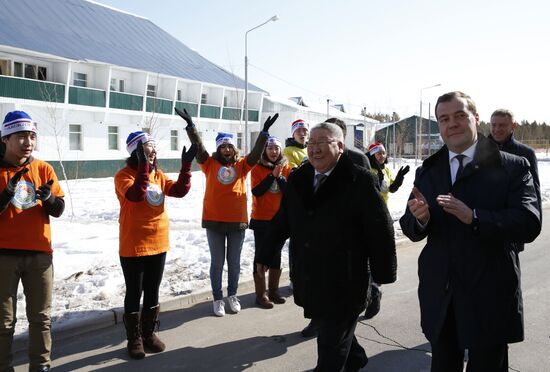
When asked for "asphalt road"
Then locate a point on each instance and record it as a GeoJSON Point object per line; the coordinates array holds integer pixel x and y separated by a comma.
{"type": "Point", "coordinates": [269, 340]}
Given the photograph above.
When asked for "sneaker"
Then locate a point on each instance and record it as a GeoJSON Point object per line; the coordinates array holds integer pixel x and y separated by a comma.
{"type": "Point", "coordinates": [234, 304]}
{"type": "Point", "coordinates": [219, 307]}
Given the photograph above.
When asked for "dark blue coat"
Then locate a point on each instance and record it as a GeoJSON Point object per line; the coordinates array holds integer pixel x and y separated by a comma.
{"type": "Point", "coordinates": [475, 270]}
{"type": "Point", "coordinates": [335, 233]}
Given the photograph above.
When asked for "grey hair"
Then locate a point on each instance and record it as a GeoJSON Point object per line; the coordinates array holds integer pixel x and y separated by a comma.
{"type": "Point", "coordinates": [504, 112]}
{"type": "Point", "coordinates": [334, 130]}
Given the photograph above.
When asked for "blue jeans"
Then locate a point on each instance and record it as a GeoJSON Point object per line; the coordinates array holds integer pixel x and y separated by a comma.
{"type": "Point", "coordinates": [216, 243]}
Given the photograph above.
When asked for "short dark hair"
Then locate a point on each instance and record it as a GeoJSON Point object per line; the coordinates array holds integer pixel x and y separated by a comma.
{"type": "Point", "coordinates": [456, 94]}
{"type": "Point", "coordinates": [340, 123]}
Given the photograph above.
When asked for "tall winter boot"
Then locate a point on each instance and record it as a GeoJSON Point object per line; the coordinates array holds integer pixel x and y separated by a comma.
{"type": "Point", "coordinates": [133, 334]}
{"type": "Point", "coordinates": [150, 321]}
{"type": "Point", "coordinates": [261, 296]}
{"type": "Point", "coordinates": [274, 276]}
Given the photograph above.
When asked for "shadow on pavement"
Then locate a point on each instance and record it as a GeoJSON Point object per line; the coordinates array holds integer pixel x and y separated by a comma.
{"type": "Point", "coordinates": [415, 359]}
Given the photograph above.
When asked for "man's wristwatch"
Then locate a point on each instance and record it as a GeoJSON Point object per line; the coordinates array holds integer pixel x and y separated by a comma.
{"type": "Point", "coordinates": [475, 222]}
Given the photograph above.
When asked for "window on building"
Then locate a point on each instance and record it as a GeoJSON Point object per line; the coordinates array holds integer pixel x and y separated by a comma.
{"type": "Point", "coordinates": [239, 140]}
{"type": "Point", "coordinates": [80, 79]}
{"type": "Point", "coordinates": [179, 94]}
{"type": "Point", "coordinates": [225, 101]}
{"type": "Point", "coordinates": [113, 137]}
{"type": "Point", "coordinates": [174, 140]}
{"type": "Point", "coordinates": [121, 85]}
{"type": "Point", "coordinates": [18, 69]}
{"type": "Point", "coordinates": [152, 90]}
{"type": "Point", "coordinates": [42, 73]}
{"type": "Point", "coordinates": [30, 71]}
{"type": "Point", "coordinates": [113, 85]}
{"type": "Point", "coordinates": [75, 137]}
{"type": "Point", "coordinates": [204, 98]}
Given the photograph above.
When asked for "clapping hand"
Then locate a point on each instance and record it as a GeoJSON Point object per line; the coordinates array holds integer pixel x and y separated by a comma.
{"type": "Point", "coordinates": [12, 183]}
{"type": "Point", "coordinates": [187, 156]}
{"type": "Point", "coordinates": [44, 192]}
{"type": "Point", "coordinates": [419, 207]}
{"type": "Point", "coordinates": [140, 154]}
{"type": "Point", "coordinates": [269, 122]}
{"type": "Point", "coordinates": [185, 116]}
{"type": "Point", "coordinates": [277, 170]}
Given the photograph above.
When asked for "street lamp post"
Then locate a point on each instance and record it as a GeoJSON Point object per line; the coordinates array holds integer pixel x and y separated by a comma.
{"type": "Point", "coordinates": [274, 18]}
{"type": "Point", "coordinates": [419, 138]}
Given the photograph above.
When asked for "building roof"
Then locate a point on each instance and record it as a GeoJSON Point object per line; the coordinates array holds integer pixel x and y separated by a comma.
{"type": "Point", "coordinates": [87, 31]}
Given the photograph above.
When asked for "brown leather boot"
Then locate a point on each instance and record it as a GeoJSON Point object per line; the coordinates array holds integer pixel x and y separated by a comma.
{"type": "Point", "coordinates": [133, 334]}
{"type": "Point", "coordinates": [150, 321]}
{"type": "Point", "coordinates": [274, 276]}
{"type": "Point", "coordinates": [261, 296]}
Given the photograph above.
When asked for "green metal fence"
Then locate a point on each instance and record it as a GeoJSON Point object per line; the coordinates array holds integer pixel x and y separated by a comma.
{"type": "Point", "coordinates": [192, 108]}
{"type": "Point", "coordinates": [209, 111]}
{"type": "Point", "coordinates": [230, 113]}
{"type": "Point", "coordinates": [125, 101]}
{"type": "Point", "coordinates": [87, 96]}
{"type": "Point", "coordinates": [159, 105]}
{"type": "Point", "coordinates": [31, 89]}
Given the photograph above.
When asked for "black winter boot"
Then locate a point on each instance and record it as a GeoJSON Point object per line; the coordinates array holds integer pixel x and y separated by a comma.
{"type": "Point", "coordinates": [150, 321]}
{"type": "Point", "coordinates": [133, 334]}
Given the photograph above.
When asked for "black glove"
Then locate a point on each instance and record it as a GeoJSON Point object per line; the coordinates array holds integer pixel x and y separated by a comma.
{"type": "Point", "coordinates": [12, 183]}
{"type": "Point", "coordinates": [185, 116]}
{"type": "Point", "coordinates": [44, 192]}
{"type": "Point", "coordinates": [396, 184]}
{"type": "Point", "coordinates": [187, 157]}
{"type": "Point", "coordinates": [269, 122]}
{"type": "Point", "coordinates": [140, 153]}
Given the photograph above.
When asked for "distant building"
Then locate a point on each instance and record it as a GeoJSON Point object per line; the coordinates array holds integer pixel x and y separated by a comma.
{"type": "Point", "coordinates": [90, 74]}
{"type": "Point", "coordinates": [407, 139]}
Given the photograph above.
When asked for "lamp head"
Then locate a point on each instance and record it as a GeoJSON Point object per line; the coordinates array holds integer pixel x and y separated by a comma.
{"type": "Point", "coordinates": [274, 18]}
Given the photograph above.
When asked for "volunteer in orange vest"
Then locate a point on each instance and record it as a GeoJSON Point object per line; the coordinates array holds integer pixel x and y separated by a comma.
{"type": "Point", "coordinates": [140, 188]}
{"type": "Point", "coordinates": [224, 212]}
{"type": "Point", "coordinates": [268, 184]}
{"type": "Point", "coordinates": [31, 194]}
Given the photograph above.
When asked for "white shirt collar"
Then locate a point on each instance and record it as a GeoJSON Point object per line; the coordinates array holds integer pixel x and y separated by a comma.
{"type": "Point", "coordinates": [469, 153]}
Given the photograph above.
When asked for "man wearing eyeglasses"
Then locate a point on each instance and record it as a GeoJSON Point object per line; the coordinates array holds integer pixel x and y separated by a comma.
{"type": "Point", "coordinates": [337, 222]}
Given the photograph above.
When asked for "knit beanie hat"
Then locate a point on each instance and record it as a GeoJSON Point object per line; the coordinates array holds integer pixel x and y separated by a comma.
{"type": "Point", "coordinates": [299, 124]}
{"type": "Point", "coordinates": [17, 121]}
{"type": "Point", "coordinates": [376, 147]}
{"type": "Point", "coordinates": [137, 137]}
{"type": "Point", "coordinates": [224, 138]}
{"type": "Point", "coordinates": [272, 140]}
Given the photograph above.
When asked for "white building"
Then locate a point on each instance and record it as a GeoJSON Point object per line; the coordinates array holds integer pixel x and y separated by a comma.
{"type": "Point", "coordinates": [90, 74]}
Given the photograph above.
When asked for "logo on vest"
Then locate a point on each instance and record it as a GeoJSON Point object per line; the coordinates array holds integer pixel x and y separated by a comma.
{"type": "Point", "coordinates": [25, 195]}
{"type": "Point", "coordinates": [226, 175]}
{"type": "Point", "coordinates": [155, 196]}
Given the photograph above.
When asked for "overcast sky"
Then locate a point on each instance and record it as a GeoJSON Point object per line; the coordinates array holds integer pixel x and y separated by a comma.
{"type": "Point", "coordinates": [374, 53]}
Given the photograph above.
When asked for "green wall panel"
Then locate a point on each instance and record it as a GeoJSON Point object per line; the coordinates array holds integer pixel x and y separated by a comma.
{"type": "Point", "coordinates": [230, 113]}
{"type": "Point", "coordinates": [208, 111]}
{"type": "Point", "coordinates": [192, 108]}
{"type": "Point", "coordinates": [87, 97]}
{"type": "Point", "coordinates": [161, 106]}
{"type": "Point", "coordinates": [125, 101]}
{"type": "Point", "coordinates": [31, 89]}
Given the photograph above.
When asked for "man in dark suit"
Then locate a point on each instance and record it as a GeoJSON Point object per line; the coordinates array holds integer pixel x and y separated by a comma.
{"type": "Point", "coordinates": [337, 222]}
{"type": "Point", "coordinates": [472, 202]}
{"type": "Point", "coordinates": [502, 133]}
{"type": "Point", "coordinates": [361, 160]}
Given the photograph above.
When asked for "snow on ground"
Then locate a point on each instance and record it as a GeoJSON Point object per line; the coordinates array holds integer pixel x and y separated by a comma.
{"type": "Point", "coordinates": [88, 277]}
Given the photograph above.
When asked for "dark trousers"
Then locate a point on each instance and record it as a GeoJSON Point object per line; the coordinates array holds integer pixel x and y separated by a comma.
{"type": "Point", "coordinates": [337, 347]}
{"type": "Point", "coordinates": [447, 356]}
{"type": "Point", "coordinates": [260, 234]}
{"type": "Point", "coordinates": [142, 274]}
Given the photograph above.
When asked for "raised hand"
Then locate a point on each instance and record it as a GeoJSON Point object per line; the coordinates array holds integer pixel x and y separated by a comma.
{"type": "Point", "coordinates": [419, 207]}
{"type": "Point", "coordinates": [455, 207]}
{"type": "Point", "coordinates": [44, 192]}
{"type": "Point", "coordinates": [403, 171]}
{"type": "Point", "coordinates": [140, 154]}
{"type": "Point", "coordinates": [187, 156]}
{"type": "Point", "coordinates": [12, 183]}
{"type": "Point", "coordinates": [185, 116]}
{"type": "Point", "coordinates": [269, 122]}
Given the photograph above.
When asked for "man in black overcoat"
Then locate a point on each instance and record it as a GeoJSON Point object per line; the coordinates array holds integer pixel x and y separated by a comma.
{"type": "Point", "coordinates": [472, 202]}
{"type": "Point", "coordinates": [338, 222]}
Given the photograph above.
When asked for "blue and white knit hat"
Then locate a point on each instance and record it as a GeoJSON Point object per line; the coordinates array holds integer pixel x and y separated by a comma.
{"type": "Point", "coordinates": [17, 121]}
{"type": "Point", "coordinates": [272, 140]}
{"type": "Point", "coordinates": [137, 137]}
{"type": "Point", "coordinates": [224, 138]}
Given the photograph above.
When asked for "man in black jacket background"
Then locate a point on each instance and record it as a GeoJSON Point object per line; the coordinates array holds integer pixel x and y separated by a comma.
{"type": "Point", "coordinates": [338, 223]}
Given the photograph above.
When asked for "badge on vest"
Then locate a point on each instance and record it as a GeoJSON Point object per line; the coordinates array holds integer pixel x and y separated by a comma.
{"type": "Point", "coordinates": [154, 196]}
{"type": "Point", "coordinates": [226, 175]}
{"type": "Point", "coordinates": [25, 195]}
